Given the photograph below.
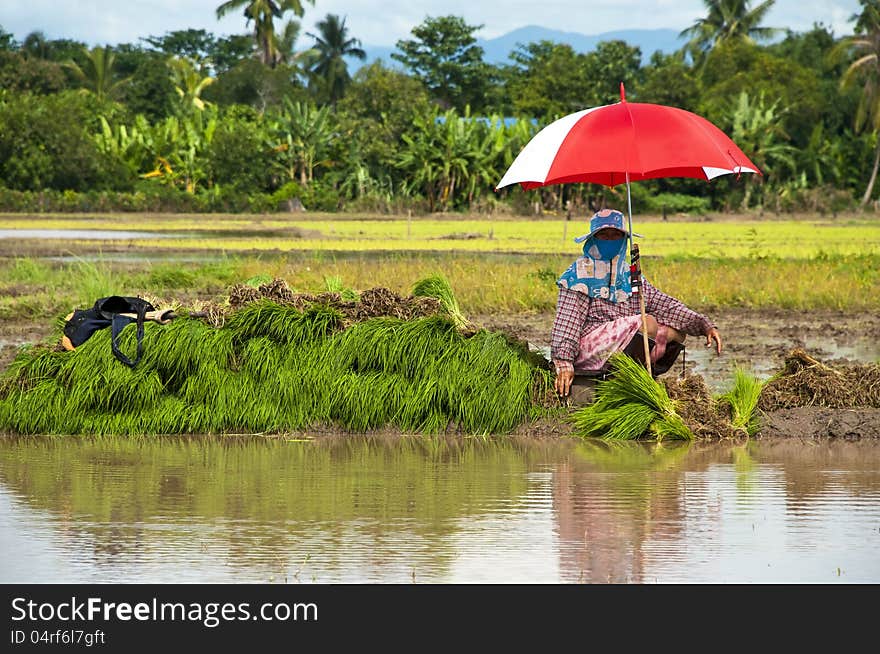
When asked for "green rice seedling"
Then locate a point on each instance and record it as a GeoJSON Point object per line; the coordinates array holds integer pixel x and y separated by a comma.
{"type": "Point", "coordinates": [361, 401]}
{"type": "Point", "coordinates": [333, 284]}
{"type": "Point", "coordinates": [285, 325]}
{"type": "Point", "coordinates": [261, 359]}
{"type": "Point", "coordinates": [743, 399]}
{"type": "Point", "coordinates": [257, 280]}
{"type": "Point", "coordinates": [438, 286]}
{"type": "Point", "coordinates": [272, 368]}
{"type": "Point", "coordinates": [671, 426]}
{"type": "Point", "coordinates": [627, 401]}
{"type": "Point", "coordinates": [624, 422]}
{"type": "Point", "coordinates": [31, 365]}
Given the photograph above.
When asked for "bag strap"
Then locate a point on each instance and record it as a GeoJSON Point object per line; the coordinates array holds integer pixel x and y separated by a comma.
{"type": "Point", "coordinates": [119, 322]}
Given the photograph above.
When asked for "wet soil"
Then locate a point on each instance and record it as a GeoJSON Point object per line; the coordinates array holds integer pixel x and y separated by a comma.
{"type": "Point", "coordinates": [757, 340]}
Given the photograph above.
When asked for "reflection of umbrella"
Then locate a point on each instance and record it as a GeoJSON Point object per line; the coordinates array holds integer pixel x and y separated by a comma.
{"type": "Point", "coordinates": [623, 142]}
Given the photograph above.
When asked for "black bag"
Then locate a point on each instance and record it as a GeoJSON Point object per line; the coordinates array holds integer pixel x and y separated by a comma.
{"type": "Point", "coordinates": [107, 313]}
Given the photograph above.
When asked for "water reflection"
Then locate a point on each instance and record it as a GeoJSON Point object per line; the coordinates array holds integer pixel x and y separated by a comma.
{"type": "Point", "coordinates": [370, 510]}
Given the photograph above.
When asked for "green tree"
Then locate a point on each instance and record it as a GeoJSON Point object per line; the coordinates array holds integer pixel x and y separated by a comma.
{"type": "Point", "coordinates": [332, 45]}
{"type": "Point", "coordinates": [97, 73]}
{"type": "Point", "coordinates": [727, 20]}
{"type": "Point", "coordinates": [38, 150]}
{"type": "Point", "coordinates": [864, 47]}
{"type": "Point", "coordinates": [611, 63]}
{"type": "Point", "coordinates": [444, 56]}
{"type": "Point", "coordinates": [734, 67]}
{"type": "Point", "coordinates": [669, 80]}
{"type": "Point", "coordinates": [7, 40]}
{"type": "Point", "coordinates": [263, 13]}
{"type": "Point", "coordinates": [377, 109]}
{"type": "Point", "coordinates": [195, 45]}
{"type": "Point", "coordinates": [253, 84]}
{"type": "Point", "coordinates": [238, 155]}
{"type": "Point", "coordinates": [229, 51]}
{"type": "Point", "coordinates": [19, 74]}
{"type": "Point", "coordinates": [36, 45]}
{"type": "Point", "coordinates": [150, 90]}
{"type": "Point", "coordinates": [548, 80]}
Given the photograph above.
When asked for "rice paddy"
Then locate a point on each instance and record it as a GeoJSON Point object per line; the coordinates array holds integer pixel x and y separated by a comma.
{"type": "Point", "coordinates": [259, 356]}
{"type": "Point", "coordinates": [705, 239]}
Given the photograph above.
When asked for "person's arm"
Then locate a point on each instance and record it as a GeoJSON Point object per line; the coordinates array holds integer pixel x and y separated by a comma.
{"type": "Point", "coordinates": [571, 310]}
{"type": "Point", "coordinates": [674, 313]}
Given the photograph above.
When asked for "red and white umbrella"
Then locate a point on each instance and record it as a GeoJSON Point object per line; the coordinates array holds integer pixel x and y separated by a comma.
{"type": "Point", "coordinates": [623, 142]}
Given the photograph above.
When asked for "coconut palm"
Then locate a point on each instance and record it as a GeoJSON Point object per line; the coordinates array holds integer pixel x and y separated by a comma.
{"type": "Point", "coordinates": [96, 73]}
{"type": "Point", "coordinates": [332, 46]}
{"type": "Point", "coordinates": [264, 13]}
{"type": "Point", "coordinates": [864, 45]}
{"type": "Point", "coordinates": [728, 20]}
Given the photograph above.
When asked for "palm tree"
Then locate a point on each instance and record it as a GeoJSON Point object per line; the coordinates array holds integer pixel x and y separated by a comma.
{"type": "Point", "coordinates": [332, 46]}
{"type": "Point", "coordinates": [264, 13]}
{"type": "Point", "coordinates": [96, 73]}
{"type": "Point", "coordinates": [865, 46]}
{"type": "Point", "coordinates": [728, 20]}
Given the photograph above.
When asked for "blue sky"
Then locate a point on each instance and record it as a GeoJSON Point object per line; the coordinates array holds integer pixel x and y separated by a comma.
{"type": "Point", "coordinates": [383, 22]}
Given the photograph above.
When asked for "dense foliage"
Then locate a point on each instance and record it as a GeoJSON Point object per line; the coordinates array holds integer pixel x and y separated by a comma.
{"type": "Point", "coordinates": [190, 121]}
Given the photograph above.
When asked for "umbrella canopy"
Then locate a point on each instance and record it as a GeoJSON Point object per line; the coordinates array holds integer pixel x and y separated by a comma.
{"type": "Point", "coordinates": [626, 141]}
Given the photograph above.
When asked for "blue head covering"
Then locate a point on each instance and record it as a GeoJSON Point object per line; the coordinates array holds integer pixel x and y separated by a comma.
{"type": "Point", "coordinates": [603, 271]}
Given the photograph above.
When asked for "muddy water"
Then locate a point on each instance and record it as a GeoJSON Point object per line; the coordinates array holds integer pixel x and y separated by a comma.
{"type": "Point", "coordinates": [407, 509]}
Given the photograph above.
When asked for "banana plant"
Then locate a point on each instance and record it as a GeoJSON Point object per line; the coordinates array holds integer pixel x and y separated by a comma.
{"type": "Point", "coordinates": [179, 143]}
{"type": "Point", "coordinates": [758, 130]}
{"type": "Point", "coordinates": [189, 84]}
{"type": "Point", "coordinates": [302, 137]}
{"type": "Point", "coordinates": [131, 145]}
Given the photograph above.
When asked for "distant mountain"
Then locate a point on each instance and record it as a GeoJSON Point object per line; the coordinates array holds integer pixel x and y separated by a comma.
{"type": "Point", "coordinates": [497, 50]}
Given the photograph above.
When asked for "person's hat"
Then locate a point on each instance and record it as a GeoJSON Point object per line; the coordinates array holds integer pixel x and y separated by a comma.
{"type": "Point", "coordinates": [602, 219]}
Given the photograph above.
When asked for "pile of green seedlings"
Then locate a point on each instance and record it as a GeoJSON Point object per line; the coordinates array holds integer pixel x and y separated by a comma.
{"type": "Point", "coordinates": [275, 367]}
{"type": "Point", "coordinates": [631, 405]}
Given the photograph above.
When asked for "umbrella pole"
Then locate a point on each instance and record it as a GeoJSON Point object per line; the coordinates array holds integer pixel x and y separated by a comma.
{"type": "Point", "coordinates": [635, 272]}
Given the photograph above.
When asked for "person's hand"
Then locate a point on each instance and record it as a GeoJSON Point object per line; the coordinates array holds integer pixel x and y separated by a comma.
{"type": "Point", "coordinates": [563, 382]}
{"type": "Point", "coordinates": [713, 335]}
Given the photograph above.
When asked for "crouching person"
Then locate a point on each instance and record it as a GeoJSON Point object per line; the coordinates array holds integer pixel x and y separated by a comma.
{"type": "Point", "coordinates": [597, 314]}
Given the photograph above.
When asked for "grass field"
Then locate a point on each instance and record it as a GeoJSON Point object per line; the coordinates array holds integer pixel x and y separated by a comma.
{"type": "Point", "coordinates": [721, 238]}
{"type": "Point", "coordinates": [38, 289]}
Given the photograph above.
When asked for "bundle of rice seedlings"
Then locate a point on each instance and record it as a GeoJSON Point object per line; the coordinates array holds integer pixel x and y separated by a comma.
{"type": "Point", "coordinates": [437, 286]}
{"type": "Point", "coordinates": [273, 367]}
{"type": "Point", "coordinates": [743, 400]}
{"type": "Point", "coordinates": [630, 404]}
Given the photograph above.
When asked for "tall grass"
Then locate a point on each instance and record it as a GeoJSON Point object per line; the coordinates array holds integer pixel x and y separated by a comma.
{"type": "Point", "coordinates": [32, 289]}
{"type": "Point", "coordinates": [630, 405]}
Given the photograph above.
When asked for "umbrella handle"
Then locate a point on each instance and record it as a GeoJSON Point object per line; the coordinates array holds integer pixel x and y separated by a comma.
{"type": "Point", "coordinates": [635, 276]}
